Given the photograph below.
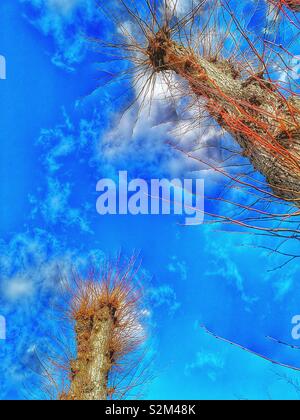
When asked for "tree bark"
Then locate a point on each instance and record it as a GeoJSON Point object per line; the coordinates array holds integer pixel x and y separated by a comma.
{"type": "Point", "coordinates": [89, 372]}
{"type": "Point", "coordinates": [264, 123]}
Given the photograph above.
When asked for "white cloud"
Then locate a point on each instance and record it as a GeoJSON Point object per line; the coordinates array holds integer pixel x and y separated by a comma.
{"type": "Point", "coordinates": [164, 295]}
{"type": "Point", "coordinates": [181, 7]}
{"type": "Point", "coordinates": [55, 201]}
{"type": "Point", "coordinates": [177, 266]}
{"type": "Point", "coordinates": [17, 287]}
{"type": "Point", "coordinates": [37, 262]}
{"type": "Point", "coordinates": [64, 6]}
{"type": "Point", "coordinates": [66, 21]}
{"type": "Point", "coordinates": [212, 362]}
{"type": "Point", "coordinates": [143, 134]}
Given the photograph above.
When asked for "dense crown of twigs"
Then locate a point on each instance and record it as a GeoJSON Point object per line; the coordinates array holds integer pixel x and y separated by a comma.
{"type": "Point", "coordinates": [106, 312]}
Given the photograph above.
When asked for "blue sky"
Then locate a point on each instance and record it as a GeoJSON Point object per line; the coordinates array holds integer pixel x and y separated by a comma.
{"type": "Point", "coordinates": [61, 133]}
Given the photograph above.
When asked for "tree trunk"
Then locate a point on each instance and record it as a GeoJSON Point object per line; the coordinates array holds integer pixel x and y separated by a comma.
{"type": "Point", "coordinates": [90, 370]}
{"type": "Point", "coordinates": [264, 123]}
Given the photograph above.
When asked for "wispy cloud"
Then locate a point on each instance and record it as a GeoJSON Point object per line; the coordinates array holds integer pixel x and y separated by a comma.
{"type": "Point", "coordinates": [210, 363]}
{"type": "Point", "coordinates": [32, 262]}
{"type": "Point", "coordinates": [178, 267]}
{"type": "Point", "coordinates": [164, 295]}
{"type": "Point", "coordinates": [66, 22]}
{"type": "Point", "coordinates": [67, 142]}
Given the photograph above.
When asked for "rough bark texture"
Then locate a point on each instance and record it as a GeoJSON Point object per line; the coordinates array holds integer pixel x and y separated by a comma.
{"type": "Point", "coordinates": [292, 4]}
{"type": "Point", "coordinates": [263, 122]}
{"type": "Point", "coordinates": [91, 368]}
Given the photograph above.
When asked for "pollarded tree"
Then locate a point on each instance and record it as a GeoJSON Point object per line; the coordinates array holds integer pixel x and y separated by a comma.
{"type": "Point", "coordinates": [244, 79]}
{"type": "Point", "coordinates": [103, 313]}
